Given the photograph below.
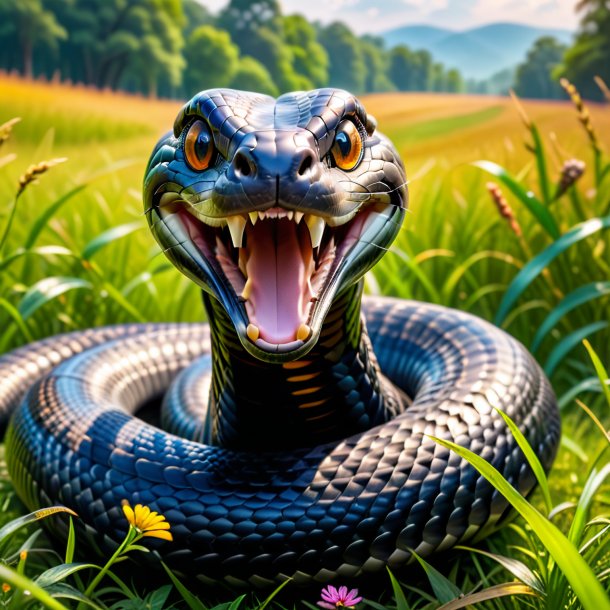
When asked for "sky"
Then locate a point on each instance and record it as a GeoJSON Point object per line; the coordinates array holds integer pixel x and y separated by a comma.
{"type": "Point", "coordinates": [372, 16]}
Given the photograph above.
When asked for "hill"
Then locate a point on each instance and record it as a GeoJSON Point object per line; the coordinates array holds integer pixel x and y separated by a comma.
{"type": "Point", "coordinates": [477, 52]}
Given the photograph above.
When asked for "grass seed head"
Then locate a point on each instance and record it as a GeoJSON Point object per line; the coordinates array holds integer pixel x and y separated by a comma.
{"type": "Point", "coordinates": [571, 171]}
{"type": "Point", "coordinates": [583, 112]}
{"type": "Point", "coordinates": [504, 208]}
{"type": "Point", "coordinates": [604, 88]}
{"type": "Point", "coordinates": [6, 129]}
{"type": "Point", "coordinates": [34, 171]}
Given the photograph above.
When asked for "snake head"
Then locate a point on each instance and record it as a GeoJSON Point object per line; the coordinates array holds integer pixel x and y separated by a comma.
{"type": "Point", "coordinates": [275, 207]}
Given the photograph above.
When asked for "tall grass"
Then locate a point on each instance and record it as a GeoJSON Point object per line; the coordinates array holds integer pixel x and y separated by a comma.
{"type": "Point", "coordinates": [529, 251]}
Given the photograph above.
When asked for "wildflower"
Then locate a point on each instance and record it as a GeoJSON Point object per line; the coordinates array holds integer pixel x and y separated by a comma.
{"type": "Point", "coordinates": [23, 555]}
{"type": "Point", "coordinates": [5, 587]}
{"type": "Point", "coordinates": [147, 522]}
{"type": "Point", "coordinates": [571, 171]}
{"type": "Point", "coordinates": [341, 598]}
{"type": "Point", "coordinates": [504, 208]}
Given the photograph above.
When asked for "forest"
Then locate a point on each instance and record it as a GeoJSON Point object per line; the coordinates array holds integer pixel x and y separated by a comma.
{"type": "Point", "coordinates": [174, 48]}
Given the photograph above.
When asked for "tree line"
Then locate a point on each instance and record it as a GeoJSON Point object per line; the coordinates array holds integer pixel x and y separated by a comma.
{"type": "Point", "coordinates": [589, 56]}
{"type": "Point", "coordinates": [174, 48]}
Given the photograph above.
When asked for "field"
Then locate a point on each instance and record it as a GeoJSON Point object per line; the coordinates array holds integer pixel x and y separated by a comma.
{"type": "Point", "coordinates": [82, 226]}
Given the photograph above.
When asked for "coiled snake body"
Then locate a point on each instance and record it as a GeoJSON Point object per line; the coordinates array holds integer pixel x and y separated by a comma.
{"type": "Point", "coordinates": [307, 416]}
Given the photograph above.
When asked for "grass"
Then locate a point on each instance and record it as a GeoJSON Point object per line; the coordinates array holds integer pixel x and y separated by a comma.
{"type": "Point", "coordinates": [78, 255]}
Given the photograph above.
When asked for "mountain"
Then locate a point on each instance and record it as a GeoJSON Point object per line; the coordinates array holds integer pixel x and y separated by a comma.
{"type": "Point", "coordinates": [477, 52]}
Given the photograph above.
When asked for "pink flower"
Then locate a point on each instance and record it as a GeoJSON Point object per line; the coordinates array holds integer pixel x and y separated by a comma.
{"type": "Point", "coordinates": [339, 599]}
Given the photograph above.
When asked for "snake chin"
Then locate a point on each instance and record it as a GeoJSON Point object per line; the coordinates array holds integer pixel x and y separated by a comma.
{"type": "Point", "coordinates": [278, 266]}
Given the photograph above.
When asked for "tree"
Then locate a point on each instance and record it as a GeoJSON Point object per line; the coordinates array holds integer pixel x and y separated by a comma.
{"type": "Point", "coordinates": [533, 78]}
{"type": "Point", "coordinates": [309, 57]}
{"type": "Point", "coordinates": [33, 26]}
{"type": "Point", "coordinates": [211, 59]}
{"type": "Point", "coordinates": [243, 18]}
{"type": "Point", "coordinates": [195, 15]}
{"type": "Point", "coordinates": [376, 61]}
{"type": "Point", "coordinates": [455, 82]}
{"type": "Point", "coordinates": [251, 75]}
{"type": "Point", "coordinates": [402, 68]}
{"type": "Point", "coordinates": [590, 54]}
{"type": "Point", "coordinates": [347, 69]}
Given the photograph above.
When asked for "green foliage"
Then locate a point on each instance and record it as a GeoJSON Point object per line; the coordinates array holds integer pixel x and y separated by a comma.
{"type": "Point", "coordinates": [309, 57]}
{"type": "Point", "coordinates": [533, 78]}
{"type": "Point", "coordinates": [251, 75]}
{"type": "Point", "coordinates": [211, 59]}
{"type": "Point", "coordinates": [175, 48]}
{"type": "Point", "coordinates": [590, 54]}
{"type": "Point", "coordinates": [347, 67]}
{"type": "Point", "coordinates": [32, 25]}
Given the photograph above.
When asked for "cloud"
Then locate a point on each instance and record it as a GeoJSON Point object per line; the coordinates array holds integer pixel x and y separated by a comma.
{"type": "Point", "coordinates": [380, 15]}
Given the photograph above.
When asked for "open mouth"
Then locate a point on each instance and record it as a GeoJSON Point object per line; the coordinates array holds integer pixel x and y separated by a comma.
{"type": "Point", "coordinates": [276, 262]}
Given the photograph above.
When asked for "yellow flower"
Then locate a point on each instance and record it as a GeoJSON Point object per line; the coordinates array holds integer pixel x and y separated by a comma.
{"type": "Point", "coordinates": [147, 522]}
{"type": "Point", "coordinates": [6, 587]}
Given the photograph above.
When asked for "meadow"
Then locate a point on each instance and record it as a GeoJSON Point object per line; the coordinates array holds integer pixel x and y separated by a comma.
{"type": "Point", "coordinates": [530, 254]}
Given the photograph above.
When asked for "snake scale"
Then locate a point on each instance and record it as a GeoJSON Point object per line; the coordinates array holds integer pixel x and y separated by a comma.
{"type": "Point", "coordinates": [299, 420]}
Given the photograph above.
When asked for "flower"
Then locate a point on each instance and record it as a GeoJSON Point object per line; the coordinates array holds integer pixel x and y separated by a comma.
{"type": "Point", "coordinates": [147, 522]}
{"type": "Point", "coordinates": [341, 598]}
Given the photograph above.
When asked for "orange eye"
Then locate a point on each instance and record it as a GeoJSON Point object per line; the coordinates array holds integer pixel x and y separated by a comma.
{"type": "Point", "coordinates": [198, 146]}
{"type": "Point", "coordinates": [347, 148]}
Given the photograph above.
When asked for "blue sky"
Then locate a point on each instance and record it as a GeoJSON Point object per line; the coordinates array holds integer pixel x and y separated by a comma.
{"type": "Point", "coordinates": [379, 15]}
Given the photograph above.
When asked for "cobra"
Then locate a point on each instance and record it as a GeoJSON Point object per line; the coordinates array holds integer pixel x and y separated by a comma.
{"type": "Point", "coordinates": [300, 418]}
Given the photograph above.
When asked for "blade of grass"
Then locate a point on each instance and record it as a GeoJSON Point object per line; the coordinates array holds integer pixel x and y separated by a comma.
{"type": "Point", "coordinates": [109, 236]}
{"type": "Point", "coordinates": [191, 601]}
{"type": "Point", "coordinates": [502, 590]}
{"type": "Point", "coordinates": [16, 524]}
{"type": "Point", "coordinates": [580, 296]}
{"type": "Point", "coordinates": [568, 343]}
{"type": "Point", "coordinates": [443, 588]}
{"type": "Point", "coordinates": [23, 583]}
{"type": "Point", "coordinates": [580, 576]}
{"type": "Point", "coordinates": [531, 271]}
{"type": "Point", "coordinates": [399, 596]}
{"type": "Point", "coordinates": [46, 290]}
{"type": "Point", "coordinates": [517, 568]}
{"type": "Point", "coordinates": [602, 374]}
{"type": "Point", "coordinates": [527, 198]}
{"type": "Point", "coordinates": [532, 459]}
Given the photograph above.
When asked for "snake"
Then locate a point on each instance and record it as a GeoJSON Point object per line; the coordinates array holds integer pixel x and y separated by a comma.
{"type": "Point", "coordinates": [292, 435]}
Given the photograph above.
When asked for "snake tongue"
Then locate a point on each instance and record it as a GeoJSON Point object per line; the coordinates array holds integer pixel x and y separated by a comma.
{"type": "Point", "coordinates": [279, 266]}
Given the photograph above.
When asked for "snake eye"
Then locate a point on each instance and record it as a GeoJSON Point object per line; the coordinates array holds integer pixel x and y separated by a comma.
{"type": "Point", "coordinates": [198, 146]}
{"type": "Point", "coordinates": [347, 148]}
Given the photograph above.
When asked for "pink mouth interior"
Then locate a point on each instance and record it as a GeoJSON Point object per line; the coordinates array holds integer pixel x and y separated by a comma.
{"type": "Point", "coordinates": [280, 268]}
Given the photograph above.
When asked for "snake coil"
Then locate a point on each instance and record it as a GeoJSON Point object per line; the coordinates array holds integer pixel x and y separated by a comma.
{"type": "Point", "coordinates": [312, 456]}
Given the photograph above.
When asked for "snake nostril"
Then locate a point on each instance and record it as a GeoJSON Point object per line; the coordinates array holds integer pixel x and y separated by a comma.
{"type": "Point", "coordinates": [242, 164]}
{"type": "Point", "coordinates": [306, 164]}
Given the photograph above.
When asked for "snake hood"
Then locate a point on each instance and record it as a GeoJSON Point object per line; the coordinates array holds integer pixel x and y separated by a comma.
{"type": "Point", "coordinates": [275, 206]}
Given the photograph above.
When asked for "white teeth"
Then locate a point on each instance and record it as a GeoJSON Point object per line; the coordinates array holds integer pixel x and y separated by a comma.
{"type": "Point", "coordinates": [298, 216]}
{"type": "Point", "coordinates": [261, 215]}
{"type": "Point", "coordinates": [236, 224]}
{"type": "Point", "coordinates": [247, 291]}
{"type": "Point", "coordinates": [253, 217]}
{"type": "Point", "coordinates": [290, 215]}
{"type": "Point", "coordinates": [316, 226]}
{"type": "Point", "coordinates": [253, 332]}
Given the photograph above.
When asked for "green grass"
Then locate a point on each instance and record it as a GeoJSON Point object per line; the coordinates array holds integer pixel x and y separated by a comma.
{"type": "Point", "coordinates": [79, 255]}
